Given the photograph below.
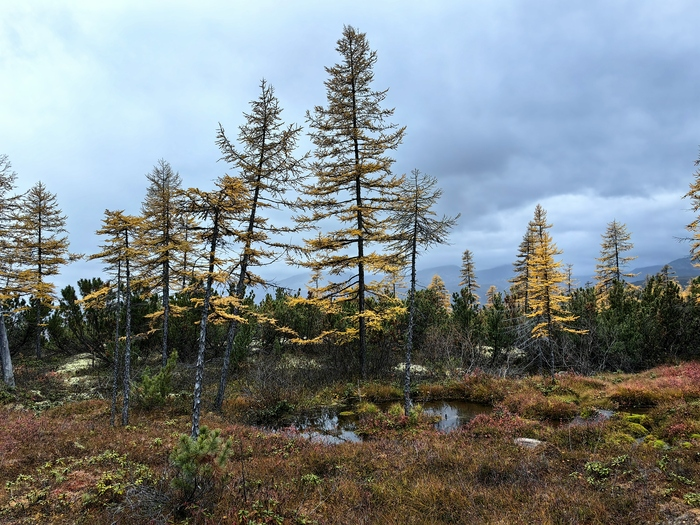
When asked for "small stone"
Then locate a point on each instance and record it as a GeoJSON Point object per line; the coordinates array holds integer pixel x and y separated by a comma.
{"type": "Point", "coordinates": [528, 442]}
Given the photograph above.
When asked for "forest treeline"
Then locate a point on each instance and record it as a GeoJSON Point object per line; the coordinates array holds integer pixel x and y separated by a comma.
{"type": "Point", "coordinates": [181, 276]}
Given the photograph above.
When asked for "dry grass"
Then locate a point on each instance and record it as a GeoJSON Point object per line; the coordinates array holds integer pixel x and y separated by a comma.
{"type": "Point", "coordinates": [67, 465]}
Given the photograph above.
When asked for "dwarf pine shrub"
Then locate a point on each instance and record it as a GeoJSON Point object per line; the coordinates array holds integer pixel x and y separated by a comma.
{"type": "Point", "coordinates": [154, 389]}
{"type": "Point", "coordinates": [199, 466]}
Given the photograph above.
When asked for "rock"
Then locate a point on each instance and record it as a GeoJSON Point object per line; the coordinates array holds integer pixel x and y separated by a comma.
{"type": "Point", "coordinates": [528, 442]}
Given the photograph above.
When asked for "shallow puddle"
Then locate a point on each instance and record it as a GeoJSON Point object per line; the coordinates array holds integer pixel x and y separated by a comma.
{"type": "Point", "coordinates": [331, 426]}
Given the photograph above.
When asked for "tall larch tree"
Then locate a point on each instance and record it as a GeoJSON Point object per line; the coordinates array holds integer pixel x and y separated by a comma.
{"type": "Point", "coordinates": [218, 213]}
{"type": "Point", "coordinates": [546, 278]}
{"type": "Point", "coordinates": [42, 239]}
{"type": "Point", "coordinates": [269, 169]}
{"type": "Point", "coordinates": [694, 227]}
{"type": "Point", "coordinates": [467, 274]}
{"type": "Point", "coordinates": [612, 261]}
{"type": "Point", "coordinates": [437, 285]}
{"type": "Point", "coordinates": [465, 302]}
{"type": "Point", "coordinates": [520, 283]}
{"type": "Point", "coordinates": [8, 253]}
{"type": "Point", "coordinates": [162, 238]}
{"type": "Point", "coordinates": [119, 253]}
{"type": "Point", "coordinates": [418, 229]}
{"type": "Point", "coordinates": [353, 187]}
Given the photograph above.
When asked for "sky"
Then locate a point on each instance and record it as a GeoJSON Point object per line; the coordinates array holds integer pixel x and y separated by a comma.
{"type": "Point", "coordinates": [587, 107]}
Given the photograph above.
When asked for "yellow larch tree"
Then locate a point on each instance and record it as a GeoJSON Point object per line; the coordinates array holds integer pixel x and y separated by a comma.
{"type": "Point", "coordinates": [547, 296]}
{"type": "Point", "coordinates": [353, 189]}
{"type": "Point", "coordinates": [163, 239]}
{"type": "Point", "coordinates": [269, 169]}
{"type": "Point", "coordinates": [42, 240]}
{"type": "Point", "coordinates": [119, 253]}
{"type": "Point", "coordinates": [218, 213]}
{"type": "Point", "coordinates": [8, 256]}
{"type": "Point", "coordinates": [694, 227]}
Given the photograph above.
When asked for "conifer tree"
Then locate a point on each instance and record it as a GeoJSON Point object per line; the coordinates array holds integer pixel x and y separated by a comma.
{"type": "Point", "coordinates": [162, 238]}
{"type": "Point", "coordinates": [269, 170]}
{"type": "Point", "coordinates": [496, 332]}
{"type": "Point", "coordinates": [437, 285]}
{"type": "Point", "coordinates": [611, 263]}
{"type": "Point", "coordinates": [418, 230]}
{"type": "Point", "coordinates": [219, 213]}
{"type": "Point", "coordinates": [42, 240]}
{"type": "Point", "coordinates": [119, 253]}
{"type": "Point", "coordinates": [467, 274]}
{"type": "Point", "coordinates": [694, 227]}
{"type": "Point", "coordinates": [520, 287]}
{"type": "Point", "coordinates": [8, 285]}
{"type": "Point", "coordinates": [353, 185]}
{"type": "Point", "coordinates": [547, 297]}
{"type": "Point", "coordinates": [465, 302]}
{"type": "Point", "coordinates": [569, 281]}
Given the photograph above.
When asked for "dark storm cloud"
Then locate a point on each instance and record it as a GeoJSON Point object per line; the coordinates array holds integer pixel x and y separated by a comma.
{"type": "Point", "coordinates": [587, 107]}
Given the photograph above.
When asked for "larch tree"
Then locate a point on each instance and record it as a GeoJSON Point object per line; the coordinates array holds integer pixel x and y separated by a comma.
{"type": "Point", "coordinates": [269, 169]}
{"type": "Point", "coordinates": [353, 187]}
{"type": "Point", "coordinates": [42, 240]}
{"type": "Point", "coordinates": [520, 283]}
{"type": "Point", "coordinates": [418, 229]}
{"type": "Point", "coordinates": [547, 296]}
{"type": "Point", "coordinates": [694, 227]}
{"type": "Point", "coordinates": [612, 261]}
{"type": "Point", "coordinates": [219, 213]}
{"type": "Point", "coordinates": [8, 253]}
{"type": "Point", "coordinates": [162, 239]}
{"type": "Point", "coordinates": [465, 302]}
{"type": "Point", "coordinates": [467, 274]}
{"type": "Point", "coordinates": [437, 285]}
{"type": "Point", "coordinates": [119, 253]}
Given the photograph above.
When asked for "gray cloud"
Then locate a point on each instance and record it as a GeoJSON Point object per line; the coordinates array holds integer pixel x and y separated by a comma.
{"type": "Point", "coordinates": [589, 108]}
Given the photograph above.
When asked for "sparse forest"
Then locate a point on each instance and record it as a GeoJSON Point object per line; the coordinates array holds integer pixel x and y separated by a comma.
{"type": "Point", "coordinates": [184, 332]}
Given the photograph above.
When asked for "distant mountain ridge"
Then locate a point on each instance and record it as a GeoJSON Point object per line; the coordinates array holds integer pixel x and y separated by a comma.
{"type": "Point", "coordinates": [682, 269]}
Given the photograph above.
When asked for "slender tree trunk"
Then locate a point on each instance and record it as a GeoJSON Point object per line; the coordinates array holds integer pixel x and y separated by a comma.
{"type": "Point", "coordinates": [166, 309]}
{"type": "Point", "coordinates": [38, 300]}
{"type": "Point", "coordinates": [223, 379]}
{"type": "Point", "coordinates": [127, 346]}
{"type": "Point", "coordinates": [37, 327]}
{"type": "Point", "coordinates": [409, 332]}
{"type": "Point", "coordinates": [230, 339]}
{"type": "Point", "coordinates": [360, 229]}
{"type": "Point", "coordinates": [239, 292]}
{"type": "Point", "coordinates": [8, 375]}
{"type": "Point", "coordinates": [117, 358]}
{"type": "Point", "coordinates": [199, 373]}
{"type": "Point", "coordinates": [361, 277]}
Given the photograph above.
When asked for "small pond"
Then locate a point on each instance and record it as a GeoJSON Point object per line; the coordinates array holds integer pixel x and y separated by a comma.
{"type": "Point", "coordinates": [332, 426]}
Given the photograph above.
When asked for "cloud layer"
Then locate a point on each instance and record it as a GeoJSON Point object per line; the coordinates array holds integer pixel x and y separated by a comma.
{"type": "Point", "coordinates": [587, 107]}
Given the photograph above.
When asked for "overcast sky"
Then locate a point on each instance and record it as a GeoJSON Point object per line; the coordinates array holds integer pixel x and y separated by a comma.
{"type": "Point", "coordinates": [590, 108]}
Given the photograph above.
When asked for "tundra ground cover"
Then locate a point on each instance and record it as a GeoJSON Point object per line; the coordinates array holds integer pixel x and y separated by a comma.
{"type": "Point", "coordinates": [65, 464]}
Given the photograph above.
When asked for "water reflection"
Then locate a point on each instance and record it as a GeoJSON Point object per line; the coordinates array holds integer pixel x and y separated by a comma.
{"type": "Point", "coordinates": [333, 427]}
{"type": "Point", "coordinates": [454, 414]}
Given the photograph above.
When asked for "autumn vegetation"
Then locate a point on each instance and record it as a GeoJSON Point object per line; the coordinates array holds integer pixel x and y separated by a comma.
{"type": "Point", "coordinates": [593, 391]}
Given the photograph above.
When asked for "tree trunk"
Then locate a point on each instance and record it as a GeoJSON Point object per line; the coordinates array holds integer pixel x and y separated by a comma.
{"type": "Point", "coordinates": [199, 373]}
{"type": "Point", "coordinates": [239, 292]}
{"type": "Point", "coordinates": [166, 311]}
{"type": "Point", "coordinates": [8, 375]}
{"type": "Point", "coordinates": [127, 349]}
{"type": "Point", "coordinates": [230, 337]}
{"type": "Point", "coordinates": [115, 370]}
{"type": "Point", "coordinates": [409, 343]}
